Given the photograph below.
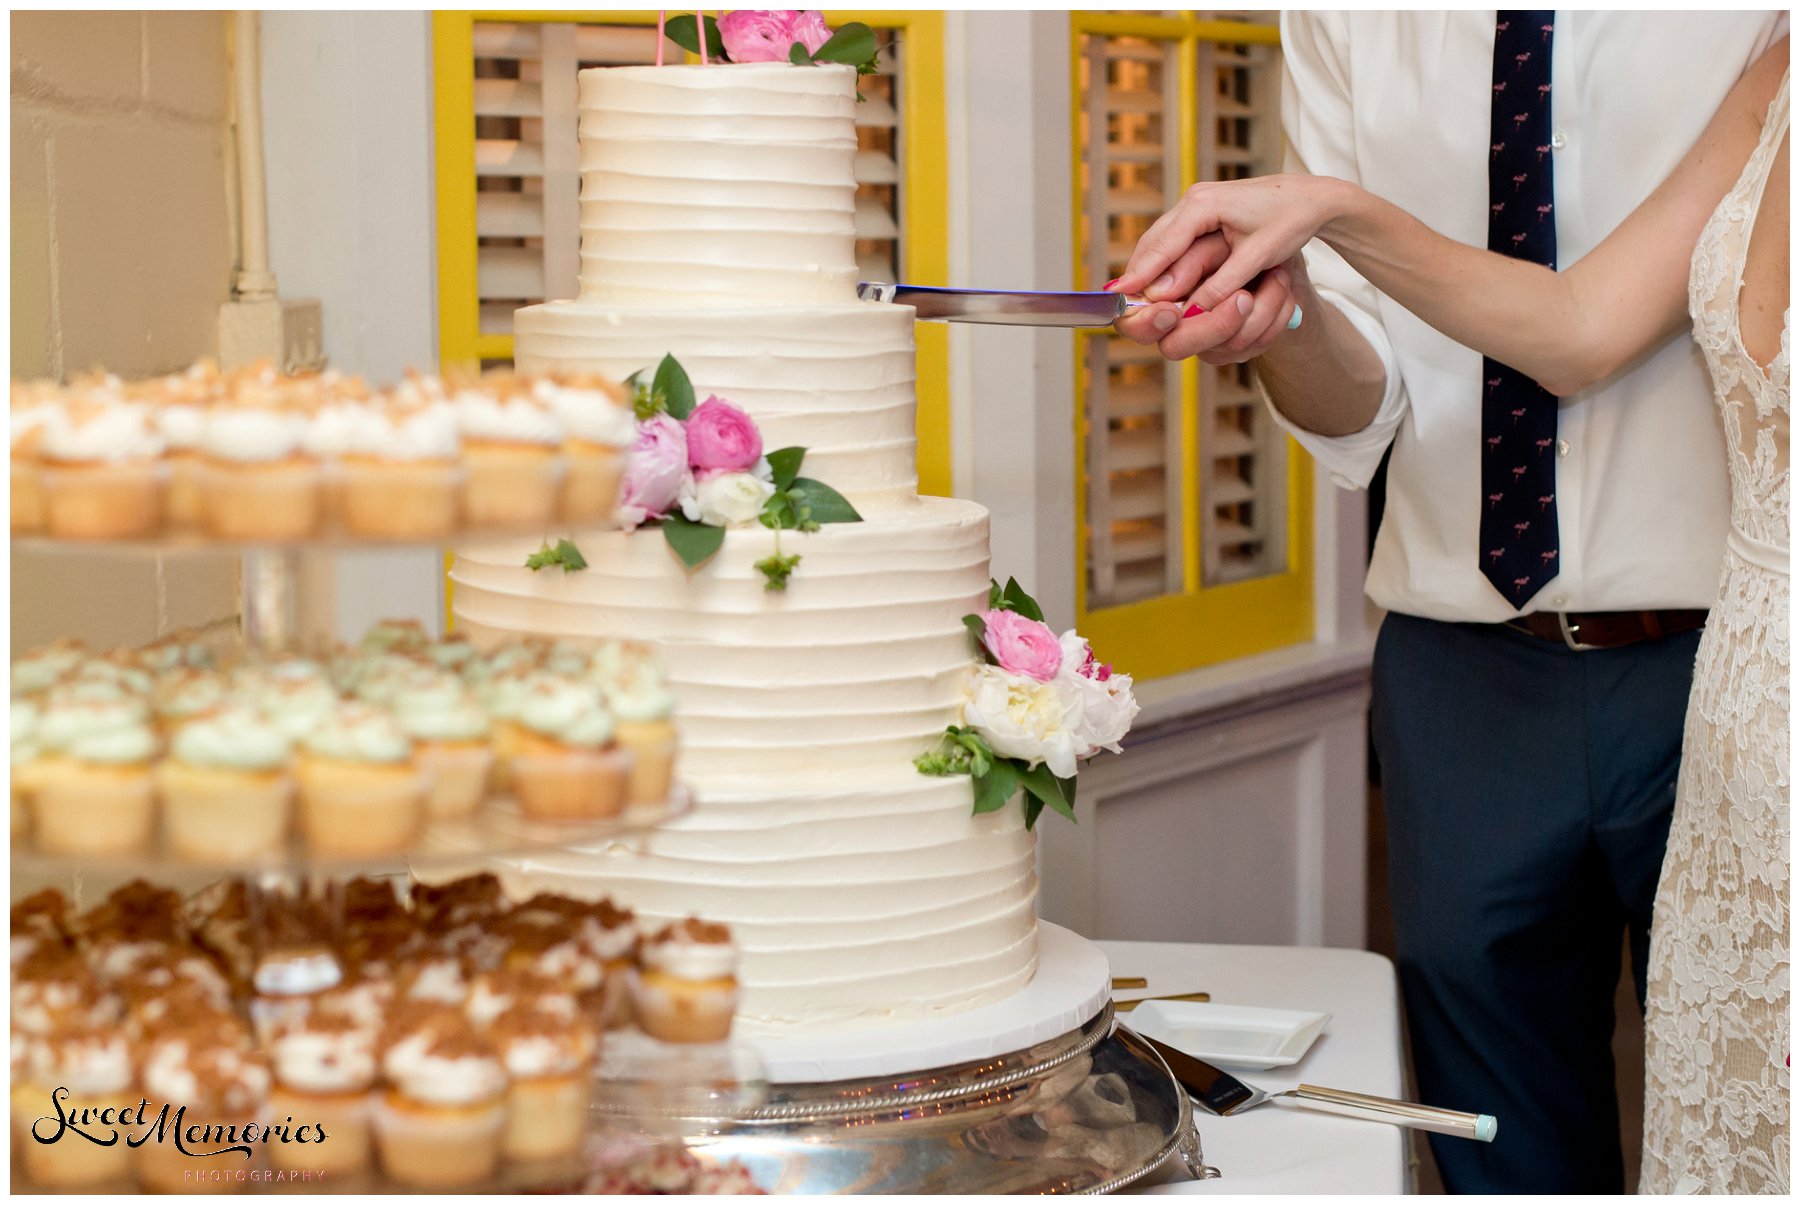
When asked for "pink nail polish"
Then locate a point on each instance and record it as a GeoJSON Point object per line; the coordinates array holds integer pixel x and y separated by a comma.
{"type": "Point", "coordinates": [1112, 282]}
{"type": "Point", "coordinates": [1193, 311]}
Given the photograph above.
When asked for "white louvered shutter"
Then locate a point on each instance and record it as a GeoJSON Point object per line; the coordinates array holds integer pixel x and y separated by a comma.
{"type": "Point", "coordinates": [878, 150]}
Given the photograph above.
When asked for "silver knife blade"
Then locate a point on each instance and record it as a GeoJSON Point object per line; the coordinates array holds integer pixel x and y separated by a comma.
{"type": "Point", "coordinates": [1003, 307]}
{"type": "Point", "coordinates": [1217, 1091]}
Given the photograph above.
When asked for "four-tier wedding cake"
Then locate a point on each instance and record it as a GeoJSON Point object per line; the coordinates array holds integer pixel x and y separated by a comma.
{"type": "Point", "coordinates": [717, 210]}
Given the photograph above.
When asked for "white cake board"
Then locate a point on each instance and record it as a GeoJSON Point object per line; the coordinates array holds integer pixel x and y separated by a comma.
{"type": "Point", "coordinates": [1072, 984]}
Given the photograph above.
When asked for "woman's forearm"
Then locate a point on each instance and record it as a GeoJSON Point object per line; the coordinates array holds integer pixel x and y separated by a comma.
{"type": "Point", "coordinates": [1519, 313]}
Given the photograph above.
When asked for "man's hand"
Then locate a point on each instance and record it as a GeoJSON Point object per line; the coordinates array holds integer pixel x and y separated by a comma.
{"type": "Point", "coordinates": [1239, 330]}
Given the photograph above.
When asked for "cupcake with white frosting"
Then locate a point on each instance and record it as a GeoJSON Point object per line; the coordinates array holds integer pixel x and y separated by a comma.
{"type": "Point", "coordinates": [567, 765]}
{"type": "Point", "coordinates": [226, 788]}
{"type": "Point", "coordinates": [686, 989]}
{"type": "Point", "coordinates": [102, 467]}
{"type": "Point", "coordinates": [450, 730]}
{"type": "Point", "coordinates": [440, 1122]}
{"type": "Point", "coordinates": [325, 1066]}
{"type": "Point", "coordinates": [93, 1065]}
{"type": "Point", "coordinates": [91, 790]}
{"type": "Point", "coordinates": [512, 445]}
{"type": "Point", "coordinates": [294, 692]}
{"type": "Point", "coordinates": [258, 481]}
{"type": "Point", "coordinates": [180, 404]}
{"type": "Point", "coordinates": [642, 705]}
{"type": "Point", "coordinates": [401, 472]}
{"type": "Point", "coordinates": [361, 793]}
{"type": "Point", "coordinates": [220, 1077]}
{"type": "Point", "coordinates": [548, 1046]}
{"type": "Point", "coordinates": [598, 433]}
{"type": "Point", "coordinates": [35, 405]}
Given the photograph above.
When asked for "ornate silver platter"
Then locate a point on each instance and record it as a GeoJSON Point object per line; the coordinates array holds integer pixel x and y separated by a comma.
{"type": "Point", "coordinates": [1084, 1112]}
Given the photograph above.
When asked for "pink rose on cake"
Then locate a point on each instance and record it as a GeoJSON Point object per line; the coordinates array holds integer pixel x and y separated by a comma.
{"type": "Point", "coordinates": [765, 36]}
{"type": "Point", "coordinates": [722, 438]}
{"type": "Point", "coordinates": [657, 472]}
{"type": "Point", "coordinates": [1022, 646]}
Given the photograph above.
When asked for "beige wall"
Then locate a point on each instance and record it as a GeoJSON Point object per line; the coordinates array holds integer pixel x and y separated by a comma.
{"type": "Point", "coordinates": [121, 255]}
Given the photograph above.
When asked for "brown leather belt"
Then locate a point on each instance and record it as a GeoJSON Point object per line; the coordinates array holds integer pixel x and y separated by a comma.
{"type": "Point", "coordinates": [1606, 629]}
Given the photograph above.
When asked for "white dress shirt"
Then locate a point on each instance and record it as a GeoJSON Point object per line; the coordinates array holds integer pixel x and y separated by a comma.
{"type": "Point", "coordinates": [1398, 102]}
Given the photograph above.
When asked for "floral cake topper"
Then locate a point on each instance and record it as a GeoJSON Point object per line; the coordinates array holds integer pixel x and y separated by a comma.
{"type": "Point", "coordinates": [798, 36]}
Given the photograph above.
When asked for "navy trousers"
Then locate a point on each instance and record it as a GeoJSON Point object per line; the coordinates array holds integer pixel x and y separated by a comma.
{"type": "Point", "coordinates": [1528, 790]}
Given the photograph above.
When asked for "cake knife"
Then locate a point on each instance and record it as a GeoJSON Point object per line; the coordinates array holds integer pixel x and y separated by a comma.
{"type": "Point", "coordinates": [1000, 307]}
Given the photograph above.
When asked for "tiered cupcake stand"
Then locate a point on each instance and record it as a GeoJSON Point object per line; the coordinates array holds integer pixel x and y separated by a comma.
{"type": "Point", "coordinates": [644, 1085]}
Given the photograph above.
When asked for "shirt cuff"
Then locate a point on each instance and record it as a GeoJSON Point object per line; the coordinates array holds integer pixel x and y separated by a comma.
{"type": "Point", "coordinates": [1351, 460]}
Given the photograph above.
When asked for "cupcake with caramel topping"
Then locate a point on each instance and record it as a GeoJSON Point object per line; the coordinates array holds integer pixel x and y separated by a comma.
{"type": "Point", "coordinates": [35, 406]}
{"type": "Point", "coordinates": [599, 430]}
{"type": "Point", "coordinates": [102, 467]}
{"type": "Point", "coordinates": [440, 1122]}
{"type": "Point", "coordinates": [400, 476]}
{"type": "Point", "coordinates": [567, 765]}
{"type": "Point", "coordinates": [687, 988]}
{"type": "Point", "coordinates": [180, 405]}
{"type": "Point", "coordinates": [361, 793]}
{"type": "Point", "coordinates": [220, 1077]}
{"type": "Point", "coordinates": [548, 1046]}
{"type": "Point", "coordinates": [511, 451]}
{"type": "Point", "coordinates": [258, 481]}
{"type": "Point", "coordinates": [71, 1070]}
{"type": "Point", "coordinates": [325, 1068]}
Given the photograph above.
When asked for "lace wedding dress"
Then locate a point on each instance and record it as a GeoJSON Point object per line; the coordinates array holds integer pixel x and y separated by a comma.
{"type": "Point", "coordinates": [1716, 1087]}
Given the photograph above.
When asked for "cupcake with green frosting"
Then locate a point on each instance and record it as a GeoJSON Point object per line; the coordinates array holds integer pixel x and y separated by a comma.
{"type": "Point", "coordinates": [91, 790]}
{"type": "Point", "coordinates": [227, 789]}
{"type": "Point", "coordinates": [43, 668]}
{"type": "Point", "coordinates": [568, 764]}
{"type": "Point", "coordinates": [450, 730]}
{"type": "Point", "coordinates": [187, 693]}
{"type": "Point", "coordinates": [361, 791]}
{"type": "Point", "coordinates": [642, 704]}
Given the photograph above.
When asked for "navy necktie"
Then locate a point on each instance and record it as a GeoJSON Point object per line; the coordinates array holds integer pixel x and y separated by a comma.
{"type": "Point", "coordinates": [1518, 416]}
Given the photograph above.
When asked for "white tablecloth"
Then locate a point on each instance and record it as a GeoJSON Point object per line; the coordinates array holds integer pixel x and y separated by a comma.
{"type": "Point", "coordinates": [1278, 1149]}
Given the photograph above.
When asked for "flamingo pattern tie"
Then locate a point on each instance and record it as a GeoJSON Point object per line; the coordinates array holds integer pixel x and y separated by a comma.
{"type": "Point", "coordinates": [1519, 541]}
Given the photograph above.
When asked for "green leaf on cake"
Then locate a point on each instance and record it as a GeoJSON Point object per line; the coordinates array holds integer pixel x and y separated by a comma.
{"type": "Point", "coordinates": [644, 402]}
{"type": "Point", "coordinates": [680, 30]}
{"type": "Point", "coordinates": [996, 599]}
{"type": "Point", "coordinates": [978, 629]}
{"type": "Point", "coordinates": [1017, 600]}
{"type": "Point", "coordinates": [776, 569]}
{"type": "Point", "coordinates": [853, 43]}
{"type": "Point", "coordinates": [672, 386]}
{"type": "Point", "coordinates": [1049, 790]}
{"type": "Point", "coordinates": [1034, 807]}
{"type": "Point", "coordinates": [995, 789]}
{"type": "Point", "coordinates": [824, 504]}
{"type": "Point", "coordinates": [784, 463]}
{"type": "Point", "coordinates": [563, 555]}
{"type": "Point", "coordinates": [799, 56]}
{"type": "Point", "coordinates": [693, 542]}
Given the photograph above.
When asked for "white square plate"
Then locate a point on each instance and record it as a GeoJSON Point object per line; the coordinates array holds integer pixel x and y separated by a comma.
{"type": "Point", "coordinates": [1231, 1035]}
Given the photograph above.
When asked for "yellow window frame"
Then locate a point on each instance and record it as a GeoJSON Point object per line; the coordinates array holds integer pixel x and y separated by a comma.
{"type": "Point", "coordinates": [1203, 625]}
{"type": "Point", "coordinates": [925, 220]}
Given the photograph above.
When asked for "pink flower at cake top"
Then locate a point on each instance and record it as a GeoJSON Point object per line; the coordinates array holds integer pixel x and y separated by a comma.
{"type": "Point", "coordinates": [766, 36]}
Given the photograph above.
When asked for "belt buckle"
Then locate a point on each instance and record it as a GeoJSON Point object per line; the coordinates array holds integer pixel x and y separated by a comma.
{"type": "Point", "coordinates": [1568, 634]}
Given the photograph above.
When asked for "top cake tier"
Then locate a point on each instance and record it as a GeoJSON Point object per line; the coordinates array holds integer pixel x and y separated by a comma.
{"type": "Point", "coordinates": [719, 185]}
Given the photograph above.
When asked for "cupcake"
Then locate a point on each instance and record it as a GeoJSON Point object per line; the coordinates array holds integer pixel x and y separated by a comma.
{"type": "Point", "coordinates": [226, 788]}
{"type": "Point", "coordinates": [179, 405]}
{"type": "Point", "coordinates": [43, 668]}
{"type": "Point", "coordinates": [222, 1080]}
{"type": "Point", "coordinates": [397, 636]}
{"type": "Point", "coordinates": [606, 932]}
{"type": "Point", "coordinates": [502, 689]}
{"type": "Point", "coordinates": [54, 990]}
{"type": "Point", "coordinates": [91, 790]}
{"type": "Point", "coordinates": [361, 793]}
{"type": "Point", "coordinates": [566, 766]}
{"type": "Point", "coordinates": [547, 1046]}
{"type": "Point", "coordinates": [35, 406]}
{"type": "Point", "coordinates": [176, 969]}
{"type": "Point", "coordinates": [325, 1068]}
{"type": "Point", "coordinates": [102, 468]}
{"type": "Point", "coordinates": [134, 926]}
{"type": "Point", "coordinates": [641, 702]}
{"type": "Point", "coordinates": [184, 694]}
{"type": "Point", "coordinates": [118, 668]}
{"type": "Point", "coordinates": [511, 444]}
{"type": "Point", "coordinates": [339, 407]}
{"type": "Point", "coordinates": [40, 921]}
{"type": "Point", "coordinates": [440, 1122]}
{"type": "Point", "coordinates": [70, 1070]}
{"type": "Point", "coordinates": [294, 693]}
{"type": "Point", "coordinates": [449, 729]}
{"type": "Point", "coordinates": [25, 752]}
{"type": "Point", "coordinates": [687, 989]}
{"type": "Point", "coordinates": [599, 430]}
{"type": "Point", "coordinates": [258, 482]}
{"type": "Point", "coordinates": [437, 977]}
{"type": "Point", "coordinates": [184, 649]}
{"type": "Point", "coordinates": [453, 652]}
{"type": "Point", "coordinates": [400, 476]}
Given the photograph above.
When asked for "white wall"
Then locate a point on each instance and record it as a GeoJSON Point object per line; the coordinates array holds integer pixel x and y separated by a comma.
{"type": "Point", "coordinates": [347, 120]}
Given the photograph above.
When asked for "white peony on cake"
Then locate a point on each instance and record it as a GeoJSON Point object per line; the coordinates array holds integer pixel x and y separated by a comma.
{"type": "Point", "coordinates": [717, 226]}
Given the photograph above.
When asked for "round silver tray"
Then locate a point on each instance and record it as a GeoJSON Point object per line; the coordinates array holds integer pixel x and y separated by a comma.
{"type": "Point", "coordinates": [1085, 1112]}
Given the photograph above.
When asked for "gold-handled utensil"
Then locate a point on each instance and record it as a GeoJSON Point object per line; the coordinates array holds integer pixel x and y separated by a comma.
{"type": "Point", "coordinates": [1126, 983]}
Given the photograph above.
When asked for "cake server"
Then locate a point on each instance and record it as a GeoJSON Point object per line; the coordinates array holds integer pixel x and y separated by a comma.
{"type": "Point", "coordinates": [1224, 1094]}
{"type": "Point", "coordinates": [1001, 307]}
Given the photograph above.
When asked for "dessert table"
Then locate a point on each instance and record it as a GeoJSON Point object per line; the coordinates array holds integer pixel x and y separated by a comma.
{"type": "Point", "coordinates": [1277, 1149]}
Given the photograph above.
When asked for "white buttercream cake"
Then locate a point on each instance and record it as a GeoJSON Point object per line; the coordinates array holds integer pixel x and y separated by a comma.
{"type": "Point", "coordinates": [717, 212]}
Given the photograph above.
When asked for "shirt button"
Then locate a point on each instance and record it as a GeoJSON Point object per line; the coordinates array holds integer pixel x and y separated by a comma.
{"type": "Point", "coordinates": [1559, 601]}
{"type": "Point", "coordinates": [1562, 447]}
{"type": "Point", "coordinates": [1558, 140]}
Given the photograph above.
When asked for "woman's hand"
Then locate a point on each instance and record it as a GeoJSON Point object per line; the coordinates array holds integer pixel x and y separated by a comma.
{"type": "Point", "coordinates": [1201, 260]}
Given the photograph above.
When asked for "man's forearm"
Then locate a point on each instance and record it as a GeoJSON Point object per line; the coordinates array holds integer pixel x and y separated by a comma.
{"type": "Point", "coordinates": [1324, 377]}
